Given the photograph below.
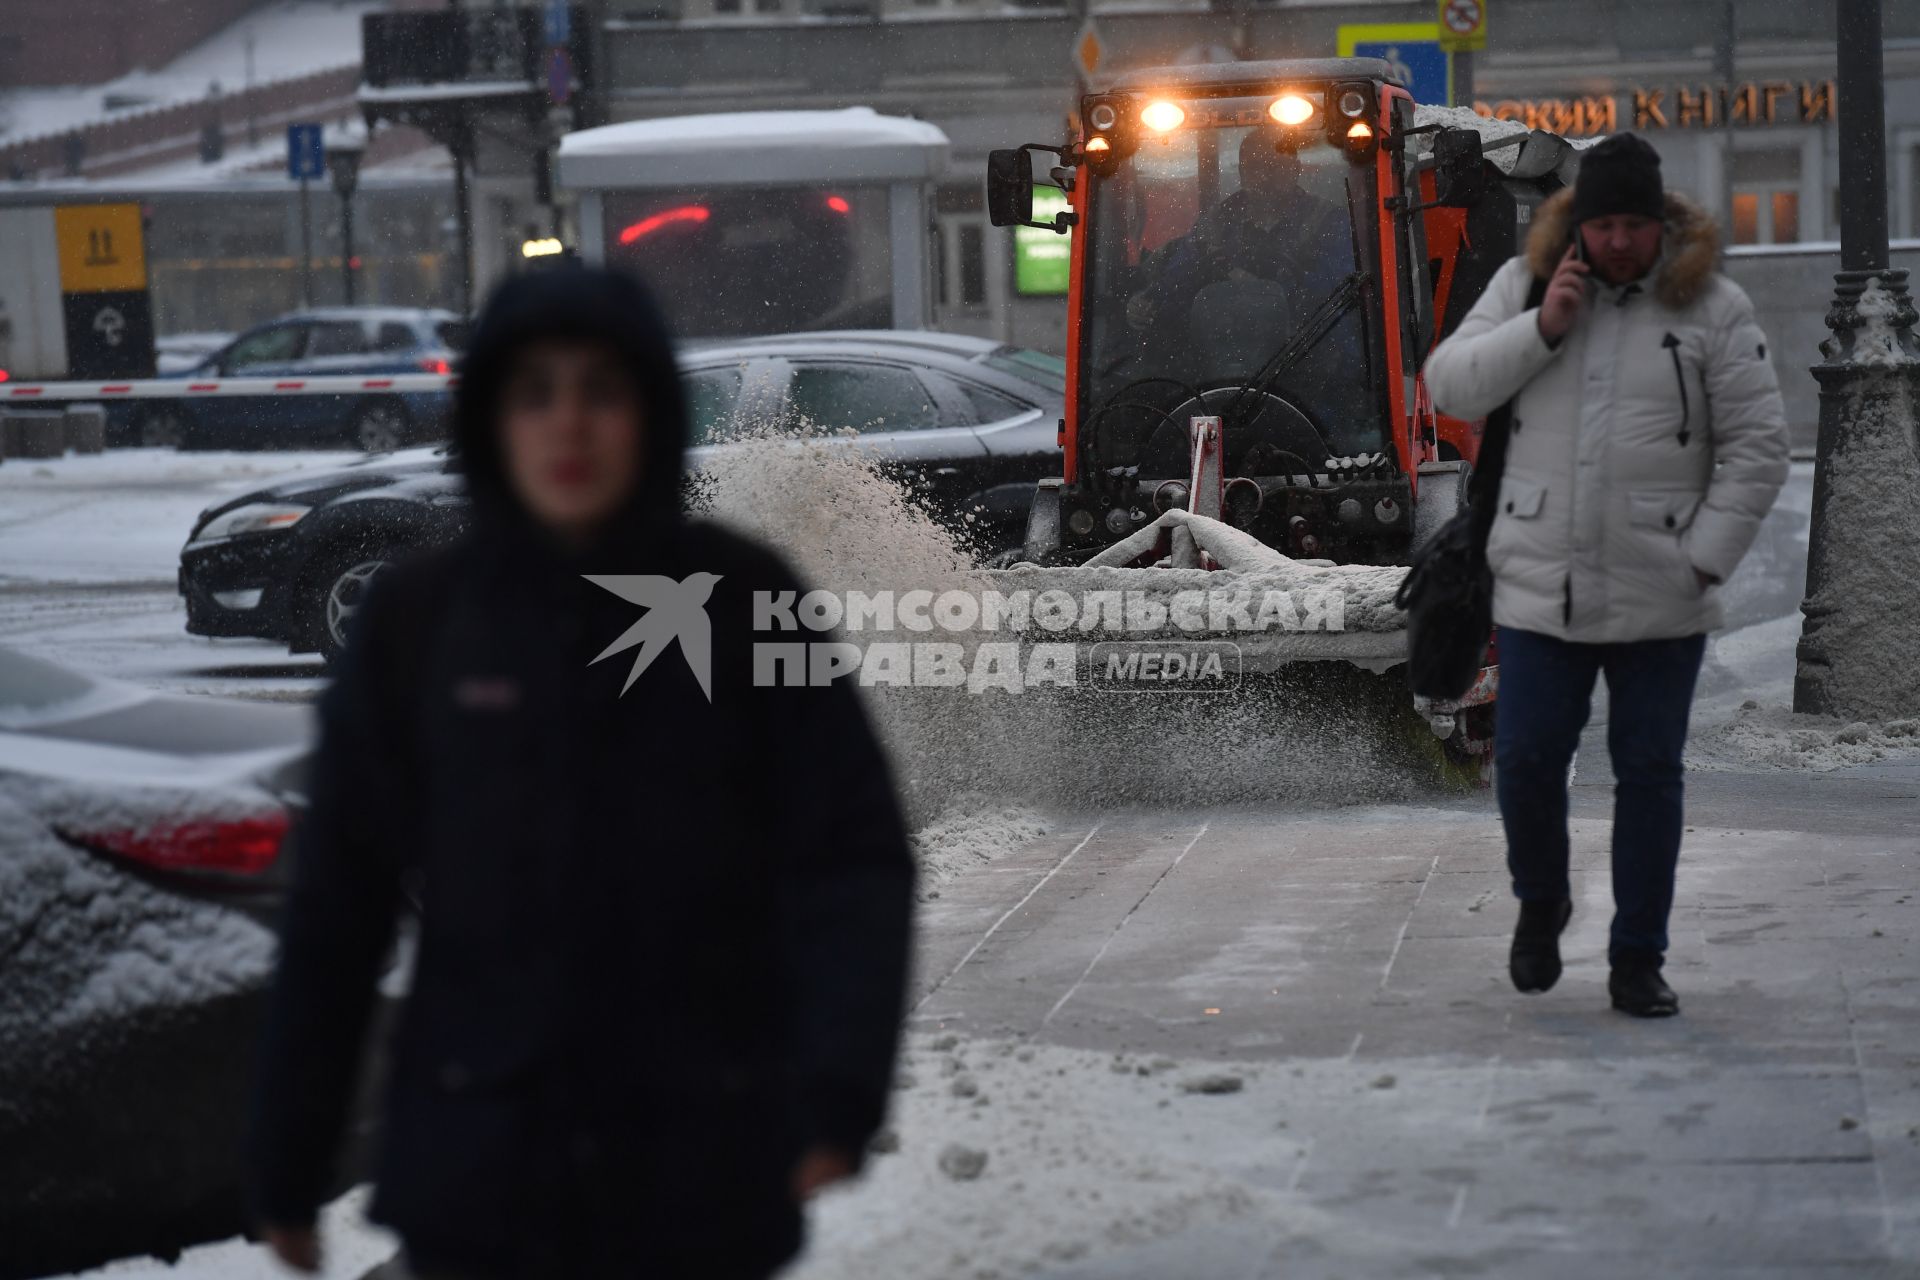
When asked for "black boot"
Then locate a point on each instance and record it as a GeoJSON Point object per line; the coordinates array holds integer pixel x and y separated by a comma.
{"type": "Point", "coordinates": [1638, 989]}
{"type": "Point", "coordinates": [1534, 962]}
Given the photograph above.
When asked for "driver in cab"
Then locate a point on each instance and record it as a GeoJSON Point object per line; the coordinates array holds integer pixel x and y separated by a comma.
{"type": "Point", "coordinates": [1272, 229]}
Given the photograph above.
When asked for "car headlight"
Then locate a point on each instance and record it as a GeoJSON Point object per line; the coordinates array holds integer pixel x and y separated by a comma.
{"type": "Point", "coordinates": [256, 517]}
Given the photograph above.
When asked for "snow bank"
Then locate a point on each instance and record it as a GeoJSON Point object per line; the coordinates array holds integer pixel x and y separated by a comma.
{"type": "Point", "coordinates": [1772, 737]}
{"type": "Point", "coordinates": [972, 834]}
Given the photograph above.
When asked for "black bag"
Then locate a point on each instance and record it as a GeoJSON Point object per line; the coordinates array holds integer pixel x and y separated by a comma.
{"type": "Point", "coordinates": [1448, 593]}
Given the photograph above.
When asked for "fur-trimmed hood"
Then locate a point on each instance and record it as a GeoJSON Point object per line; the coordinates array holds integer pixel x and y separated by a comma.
{"type": "Point", "coordinates": [1690, 253]}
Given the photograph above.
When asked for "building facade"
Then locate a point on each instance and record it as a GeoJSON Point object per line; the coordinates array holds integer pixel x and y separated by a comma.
{"type": "Point", "coordinates": [1748, 124]}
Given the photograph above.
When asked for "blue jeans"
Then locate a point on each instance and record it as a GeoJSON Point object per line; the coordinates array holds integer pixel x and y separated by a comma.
{"type": "Point", "coordinates": [1546, 692]}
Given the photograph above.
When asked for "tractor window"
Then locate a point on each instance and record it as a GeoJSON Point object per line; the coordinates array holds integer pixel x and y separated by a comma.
{"type": "Point", "coordinates": [1231, 259]}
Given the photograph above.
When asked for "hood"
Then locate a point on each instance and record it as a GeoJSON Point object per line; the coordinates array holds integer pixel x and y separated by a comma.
{"type": "Point", "coordinates": [1690, 253]}
{"type": "Point", "coordinates": [585, 304]}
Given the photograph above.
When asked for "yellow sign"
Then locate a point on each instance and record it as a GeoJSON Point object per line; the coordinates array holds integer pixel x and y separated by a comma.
{"type": "Point", "coordinates": [1088, 49]}
{"type": "Point", "coordinates": [101, 250]}
{"type": "Point", "coordinates": [1463, 25]}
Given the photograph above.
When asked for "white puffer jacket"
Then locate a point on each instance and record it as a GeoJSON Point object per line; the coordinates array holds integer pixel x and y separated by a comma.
{"type": "Point", "coordinates": [1648, 444]}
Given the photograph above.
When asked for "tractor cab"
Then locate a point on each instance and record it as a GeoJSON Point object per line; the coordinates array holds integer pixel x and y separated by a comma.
{"type": "Point", "coordinates": [1250, 304]}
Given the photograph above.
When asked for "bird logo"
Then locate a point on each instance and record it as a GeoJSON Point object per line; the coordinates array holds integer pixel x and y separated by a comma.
{"type": "Point", "coordinates": [674, 611]}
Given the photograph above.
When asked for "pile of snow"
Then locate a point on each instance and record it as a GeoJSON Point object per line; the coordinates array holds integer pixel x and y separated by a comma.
{"type": "Point", "coordinates": [1774, 737]}
{"type": "Point", "coordinates": [1491, 131]}
{"type": "Point", "coordinates": [972, 834]}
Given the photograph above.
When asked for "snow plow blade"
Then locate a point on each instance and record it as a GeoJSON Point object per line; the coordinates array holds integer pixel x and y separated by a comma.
{"type": "Point", "coordinates": [1186, 577]}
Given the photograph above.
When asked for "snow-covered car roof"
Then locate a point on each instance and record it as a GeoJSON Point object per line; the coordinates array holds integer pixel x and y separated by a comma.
{"type": "Point", "coordinates": [753, 148]}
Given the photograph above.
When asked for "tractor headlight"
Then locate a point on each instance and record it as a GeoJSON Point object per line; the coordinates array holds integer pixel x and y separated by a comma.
{"type": "Point", "coordinates": [1163, 116]}
{"type": "Point", "coordinates": [255, 517]}
{"type": "Point", "coordinates": [1353, 104]}
{"type": "Point", "coordinates": [1103, 117]}
{"type": "Point", "coordinates": [1080, 523]}
{"type": "Point", "coordinates": [1291, 109]}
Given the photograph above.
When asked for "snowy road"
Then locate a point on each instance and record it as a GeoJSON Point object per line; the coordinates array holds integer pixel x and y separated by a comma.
{"type": "Point", "coordinates": [89, 550]}
{"type": "Point", "coordinates": [1273, 1041]}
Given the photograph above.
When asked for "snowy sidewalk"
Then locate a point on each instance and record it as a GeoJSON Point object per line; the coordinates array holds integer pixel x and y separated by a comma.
{"type": "Point", "coordinates": [1236, 1045]}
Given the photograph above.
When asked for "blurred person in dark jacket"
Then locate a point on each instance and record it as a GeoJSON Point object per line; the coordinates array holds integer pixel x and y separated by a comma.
{"type": "Point", "coordinates": [665, 912]}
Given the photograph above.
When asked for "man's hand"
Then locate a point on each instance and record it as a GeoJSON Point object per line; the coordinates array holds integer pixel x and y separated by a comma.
{"type": "Point", "coordinates": [295, 1247]}
{"type": "Point", "coordinates": [1566, 295]}
{"type": "Point", "coordinates": [819, 1168]}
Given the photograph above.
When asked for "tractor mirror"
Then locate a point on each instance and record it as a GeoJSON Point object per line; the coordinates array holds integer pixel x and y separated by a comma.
{"type": "Point", "coordinates": [1010, 187]}
{"type": "Point", "coordinates": [1459, 169]}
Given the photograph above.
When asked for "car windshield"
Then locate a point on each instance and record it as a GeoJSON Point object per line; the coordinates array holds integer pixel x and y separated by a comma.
{"type": "Point", "coordinates": [1227, 258]}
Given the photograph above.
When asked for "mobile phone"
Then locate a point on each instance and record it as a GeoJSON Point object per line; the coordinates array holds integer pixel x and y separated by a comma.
{"type": "Point", "coordinates": [1579, 247]}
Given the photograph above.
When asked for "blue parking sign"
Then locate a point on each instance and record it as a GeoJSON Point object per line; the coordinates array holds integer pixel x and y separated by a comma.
{"type": "Point", "coordinates": [1421, 65]}
{"type": "Point", "coordinates": [306, 153]}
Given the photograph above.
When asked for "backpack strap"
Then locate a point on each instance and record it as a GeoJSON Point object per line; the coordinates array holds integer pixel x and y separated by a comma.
{"type": "Point", "coordinates": [1483, 487]}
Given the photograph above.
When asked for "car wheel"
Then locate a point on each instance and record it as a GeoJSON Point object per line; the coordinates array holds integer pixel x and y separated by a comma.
{"type": "Point", "coordinates": [380, 427]}
{"type": "Point", "coordinates": [343, 590]}
{"type": "Point", "coordinates": [163, 427]}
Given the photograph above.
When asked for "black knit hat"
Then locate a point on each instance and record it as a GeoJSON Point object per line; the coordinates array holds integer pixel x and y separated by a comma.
{"type": "Point", "coordinates": [1621, 174]}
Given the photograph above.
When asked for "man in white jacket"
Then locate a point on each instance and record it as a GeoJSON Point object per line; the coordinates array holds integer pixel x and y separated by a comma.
{"type": "Point", "coordinates": [1648, 441]}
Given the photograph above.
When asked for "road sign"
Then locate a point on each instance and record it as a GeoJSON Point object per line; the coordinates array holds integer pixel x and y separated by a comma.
{"type": "Point", "coordinates": [100, 248]}
{"type": "Point", "coordinates": [1088, 50]}
{"type": "Point", "coordinates": [1463, 25]}
{"type": "Point", "coordinates": [306, 153]}
{"type": "Point", "coordinates": [559, 76]}
{"type": "Point", "coordinates": [559, 23]}
{"type": "Point", "coordinates": [1411, 50]}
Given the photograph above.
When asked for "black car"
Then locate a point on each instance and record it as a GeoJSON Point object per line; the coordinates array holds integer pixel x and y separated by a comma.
{"type": "Point", "coordinates": [381, 341]}
{"type": "Point", "coordinates": [973, 422]}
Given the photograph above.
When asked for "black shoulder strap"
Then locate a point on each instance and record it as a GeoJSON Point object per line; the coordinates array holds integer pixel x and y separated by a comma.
{"type": "Point", "coordinates": [1483, 488]}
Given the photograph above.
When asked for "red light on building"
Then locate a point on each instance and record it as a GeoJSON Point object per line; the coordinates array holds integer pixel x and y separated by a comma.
{"type": "Point", "coordinates": [647, 226]}
{"type": "Point", "coordinates": [839, 204]}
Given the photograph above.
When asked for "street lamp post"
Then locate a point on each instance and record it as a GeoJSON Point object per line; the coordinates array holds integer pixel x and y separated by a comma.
{"type": "Point", "coordinates": [343, 165]}
{"type": "Point", "coordinates": [1861, 627]}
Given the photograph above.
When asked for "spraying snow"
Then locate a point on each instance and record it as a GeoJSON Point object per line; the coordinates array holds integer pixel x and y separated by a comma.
{"type": "Point", "coordinates": [849, 522]}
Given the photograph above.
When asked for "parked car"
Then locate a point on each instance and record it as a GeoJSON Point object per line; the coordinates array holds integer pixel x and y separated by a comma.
{"type": "Point", "coordinates": [179, 352]}
{"type": "Point", "coordinates": [335, 340]}
{"type": "Point", "coordinates": [973, 421]}
{"type": "Point", "coordinates": [143, 846]}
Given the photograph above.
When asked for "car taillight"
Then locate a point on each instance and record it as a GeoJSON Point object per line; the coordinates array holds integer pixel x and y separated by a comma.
{"type": "Point", "coordinates": [241, 846]}
{"type": "Point", "coordinates": [436, 366]}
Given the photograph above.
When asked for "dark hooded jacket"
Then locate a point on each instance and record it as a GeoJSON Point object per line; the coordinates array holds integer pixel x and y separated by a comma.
{"type": "Point", "coordinates": [663, 936]}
